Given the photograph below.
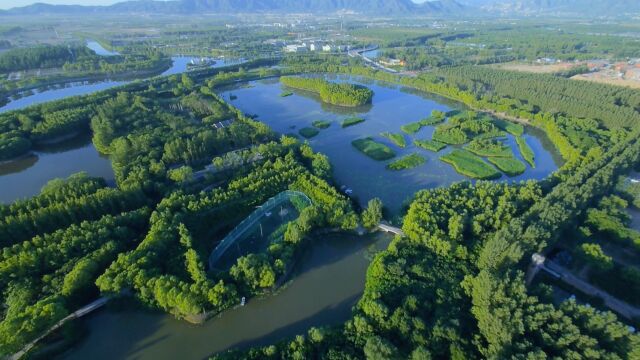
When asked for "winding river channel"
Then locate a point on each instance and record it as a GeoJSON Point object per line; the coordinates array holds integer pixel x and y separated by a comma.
{"type": "Point", "coordinates": [330, 276]}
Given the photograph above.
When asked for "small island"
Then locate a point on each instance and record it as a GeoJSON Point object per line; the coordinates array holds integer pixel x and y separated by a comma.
{"type": "Point", "coordinates": [349, 95]}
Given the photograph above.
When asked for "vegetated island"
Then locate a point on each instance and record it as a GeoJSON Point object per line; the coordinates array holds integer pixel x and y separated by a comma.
{"type": "Point", "coordinates": [351, 121]}
{"type": "Point", "coordinates": [309, 132]}
{"type": "Point", "coordinates": [407, 162]}
{"type": "Point", "coordinates": [321, 124]}
{"type": "Point", "coordinates": [336, 94]}
{"type": "Point", "coordinates": [373, 149]}
{"type": "Point", "coordinates": [431, 145]}
{"type": "Point", "coordinates": [470, 165]}
{"type": "Point", "coordinates": [395, 138]}
{"type": "Point", "coordinates": [435, 118]}
{"type": "Point", "coordinates": [508, 165]}
{"type": "Point", "coordinates": [526, 151]}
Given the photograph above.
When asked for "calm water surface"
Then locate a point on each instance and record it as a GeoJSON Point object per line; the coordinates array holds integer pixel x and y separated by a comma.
{"type": "Point", "coordinates": [392, 107]}
{"type": "Point", "coordinates": [329, 280]}
{"type": "Point", "coordinates": [25, 177]}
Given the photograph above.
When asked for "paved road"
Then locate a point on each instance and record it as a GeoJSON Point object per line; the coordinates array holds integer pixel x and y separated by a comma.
{"type": "Point", "coordinates": [626, 310]}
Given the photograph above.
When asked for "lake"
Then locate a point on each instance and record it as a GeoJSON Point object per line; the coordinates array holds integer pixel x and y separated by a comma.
{"type": "Point", "coordinates": [392, 107]}
{"type": "Point", "coordinates": [327, 283]}
{"type": "Point", "coordinates": [25, 177]}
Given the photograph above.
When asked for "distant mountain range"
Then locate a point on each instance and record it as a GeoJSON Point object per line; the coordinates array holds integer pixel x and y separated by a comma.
{"type": "Point", "coordinates": [381, 7]}
{"type": "Point", "coordinates": [584, 7]}
{"type": "Point", "coordinates": [377, 7]}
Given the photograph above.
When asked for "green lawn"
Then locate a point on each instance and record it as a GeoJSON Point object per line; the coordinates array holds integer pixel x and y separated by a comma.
{"type": "Point", "coordinates": [510, 166]}
{"type": "Point", "coordinates": [431, 145]}
{"type": "Point", "coordinates": [351, 121]}
{"type": "Point", "coordinates": [407, 162]}
{"type": "Point", "coordinates": [373, 149]}
{"type": "Point", "coordinates": [470, 165]}
{"type": "Point", "coordinates": [321, 124]}
{"type": "Point", "coordinates": [397, 139]}
{"type": "Point", "coordinates": [309, 132]}
{"type": "Point", "coordinates": [526, 151]}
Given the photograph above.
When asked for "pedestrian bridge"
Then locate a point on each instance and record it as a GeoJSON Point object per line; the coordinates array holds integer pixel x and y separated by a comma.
{"type": "Point", "coordinates": [391, 229]}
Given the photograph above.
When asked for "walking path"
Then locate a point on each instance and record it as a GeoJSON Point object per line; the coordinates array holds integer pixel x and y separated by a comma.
{"type": "Point", "coordinates": [77, 314]}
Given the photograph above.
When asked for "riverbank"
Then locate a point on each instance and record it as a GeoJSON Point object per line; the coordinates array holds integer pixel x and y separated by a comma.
{"type": "Point", "coordinates": [327, 282]}
{"type": "Point", "coordinates": [9, 95]}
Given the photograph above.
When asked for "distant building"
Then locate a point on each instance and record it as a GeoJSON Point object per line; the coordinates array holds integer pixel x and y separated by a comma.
{"type": "Point", "coordinates": [295, 48]}
{"type": "Point", "coordinates": [327, 48]}
{"type": "Point", "coordinates": [315, 47]}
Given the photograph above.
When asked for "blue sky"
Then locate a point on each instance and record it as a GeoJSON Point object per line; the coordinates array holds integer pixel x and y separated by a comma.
{"type": "Point", "coordinates": [7, 4]}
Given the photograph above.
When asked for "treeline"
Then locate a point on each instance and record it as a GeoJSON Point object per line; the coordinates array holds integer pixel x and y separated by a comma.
{"type": "Point", "coordinates": [24, 225]}
{"type": "Point", "coordinates": [454, 287]}
{"type": "Point", "coordinates": [614, 107]}
{"type": "Point", "coordinates": [20, 130]}
{"type": "Point", "coordinates": [497, 291]}
{"type": "Point", "coordinates": [41, 57]}
{"type": "Point", "coordinates": [145, 136]}
{"type": "Point", "coordinates": [46, 278]}
{"type": "Point", "coordinates": [332, 93]}
{"type": "Point", "coordinates": [572, 135]}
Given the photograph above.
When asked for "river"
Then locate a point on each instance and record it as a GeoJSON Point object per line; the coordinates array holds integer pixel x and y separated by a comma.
{"type": "Point", "coordinates": [26, 176]}
{"type": "Point", "coordinates": [328, 282]}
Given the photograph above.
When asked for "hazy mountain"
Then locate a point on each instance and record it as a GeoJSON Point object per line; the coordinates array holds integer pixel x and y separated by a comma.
{"type": "Point", "coordinates": [378, 7]}
{"type": "Point", "coordinates": [396, 7]}
{"type": "Point", "coordinates": [576, 7]}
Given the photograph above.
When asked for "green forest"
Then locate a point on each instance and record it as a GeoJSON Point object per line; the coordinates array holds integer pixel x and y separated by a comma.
{"type": "Point", "coordinates": [453, 287]}
{"type": "Point", "coordinates": [332, 93]}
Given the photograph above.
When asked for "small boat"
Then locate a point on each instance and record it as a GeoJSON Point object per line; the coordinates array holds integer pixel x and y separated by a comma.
{"type": "Point", "coordinates": [243, 301]}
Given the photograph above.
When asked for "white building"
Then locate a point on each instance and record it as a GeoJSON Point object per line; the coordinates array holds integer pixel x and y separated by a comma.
{"type": "Point", "coordinates": [295, 48]}
{"type": "Point", "coordinates": [327, 48]}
